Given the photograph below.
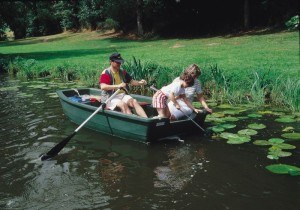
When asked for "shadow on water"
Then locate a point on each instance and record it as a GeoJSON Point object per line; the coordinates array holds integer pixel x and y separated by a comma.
{"type": "Point", "coordinates": [97, 171]}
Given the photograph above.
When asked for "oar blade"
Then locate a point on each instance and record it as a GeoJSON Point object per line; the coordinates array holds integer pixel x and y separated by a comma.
{"type": "Point", "coordinates": [57, 148]}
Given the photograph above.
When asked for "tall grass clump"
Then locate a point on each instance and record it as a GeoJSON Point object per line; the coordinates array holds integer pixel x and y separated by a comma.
{"type": "Point", "coordinates": [26, 68]}
{"type": "Point", "coordinates": [153, 73]}
{"type": "Point", "coordinates": [286, 92]}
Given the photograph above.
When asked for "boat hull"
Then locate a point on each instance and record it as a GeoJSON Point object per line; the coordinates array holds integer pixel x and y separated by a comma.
{"type": "Point", "coordinates": [122, 125]}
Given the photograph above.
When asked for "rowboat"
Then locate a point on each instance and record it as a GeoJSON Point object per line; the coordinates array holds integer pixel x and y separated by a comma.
{"type": "Point", "coordinates": [79, 104]}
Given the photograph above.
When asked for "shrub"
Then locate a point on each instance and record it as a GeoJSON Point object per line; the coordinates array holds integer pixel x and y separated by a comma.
{"type": "Point", "coordinates": [293, 23]}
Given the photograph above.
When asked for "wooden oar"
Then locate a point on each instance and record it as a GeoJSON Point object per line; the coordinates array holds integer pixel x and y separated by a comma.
{"type": "Point", "coordinates": [58, 147]}
{"type": "Point", "coordinates": [155, 89]}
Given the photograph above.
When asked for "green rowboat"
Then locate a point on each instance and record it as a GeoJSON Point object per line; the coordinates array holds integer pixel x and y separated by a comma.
{"type": "Point", "coordinates": [125, 126]}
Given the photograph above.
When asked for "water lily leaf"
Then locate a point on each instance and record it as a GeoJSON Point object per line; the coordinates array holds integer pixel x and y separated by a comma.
{"type": "Point", "coordinates": [38, 102]}
{"type": "Point", "coordinates": [285, 146]}
{"type": "Point", "coordinates": [231, 119]}
{"type": "Point", "coordinates": [214, 119]}
{"type": "Point", "coordinates": [24, 95]}
{"type": "Point", "coordinates": [231, 112]}
{"type": "Point", "coordinates": [283, 169]}
{"type": "Point", "coordinates": [217, 129]}
{"type": "Point", "coordinates": [261, 142]}
{"type": "Point", "coordinates": [225, 106]}
{"type": "Point", "coordinates": [217, 114]}
{"type": "Point", "coordinates": [273, 157]}
{"type": "Point", "coordinates": [287, 129]}
{"type": "Point", "coordinates": [275, 151]}
{"type": "Point", "coordinates": [254, 115]}
{"type": "Point", "coordinates": [226, 135]}
{"type": "Point", "coordinates": [227, 126]}
{"type": "Point", "coordinates": [14, 88]}
{"type": "Point", "coordinates": [248, 132]}
{"type": "Point", "coordinates": [285, 120]}
{"type": "Point", "coordinates": [276, 140]}
{"type": "Point", "coordinates": [242, 117]}
{"type": "Point", "coordinates": [240, 138]}
{"type": "Point", "coordinates": [256, 126]}
{"type": "Point", "coordinates": [291, 136]}
{"type": "Point", "coordinates": [287, 116]}
{"type": "Point", "coordinates": [266, 112]}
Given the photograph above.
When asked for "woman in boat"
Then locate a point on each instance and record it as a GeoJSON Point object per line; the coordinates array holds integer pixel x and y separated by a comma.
{"type": "Point", "coordinates": [190, 92]}
{"type": "Point", "coordinates": [114, 78]}
{"type": "Point", "coordinates": [172, 92]}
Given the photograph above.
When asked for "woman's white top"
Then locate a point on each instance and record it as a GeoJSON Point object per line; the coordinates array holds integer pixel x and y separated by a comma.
{"type": "Point", "coordinates": [174, 87]}
{"type": "Point", "coordinates": [190, 91]}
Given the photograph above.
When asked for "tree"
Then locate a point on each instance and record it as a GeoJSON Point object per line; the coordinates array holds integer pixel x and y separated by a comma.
{"type": "Point", "coordinates": [246, 14]}
{"type": "Point", "coordinates": [139, 12]}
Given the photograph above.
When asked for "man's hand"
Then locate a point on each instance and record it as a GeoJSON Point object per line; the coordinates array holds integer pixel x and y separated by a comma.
{"type": "Point", "coordinates": [143, 82]}
{"type": "Point", "coordinates": [122, 85]}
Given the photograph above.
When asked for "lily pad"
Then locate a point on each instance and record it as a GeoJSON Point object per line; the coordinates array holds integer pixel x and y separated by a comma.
{"type": "Point", "coordinates": [284, 169]}
{"type": "Point", "coordinates": [231, 112]}
{"type": "Point", "coordinates": [285, 146]}
{"type": "Point", "coordinates": [254, 115]}
{"type": "Point", "coordinates": [231, 119]}
{"type": "Point", "coordinates": [226, 135]}
{"type": "Point", "coordinates": [14, 88]}
{"type": "Point", "coordinates": [225, 106]}
{"type": "Point", "coordinates": [285, 120]}
{"type": "Point", "coordinates": [261, 142]}
{"type": "Point", "coordinates": [238, 139]}
{"type": "Point", "coordinates": [291, 136]}
{"type": "Point", "coordinates": [256, 126]}
{"type": "Point", "coordinates": [227, 126]}
{"type": "Point", "coordinates": [287, 129]}
{"type": "Point", "coordinates": [266, 112]}
{"type": "Point", "coordinates": [276, 140]}
{"type": "Point", "coordinates": [248, 132]}
{"type": "Point", "coordinates": [275, 153]}
{"type": "Point", "coordinates": [217, 129]}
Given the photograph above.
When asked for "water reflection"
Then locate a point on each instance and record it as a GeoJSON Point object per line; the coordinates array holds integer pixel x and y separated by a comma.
{"type": "Point", "coordinates": [96, 171]}
{"type": "Point", "coordinates": [178, 171]}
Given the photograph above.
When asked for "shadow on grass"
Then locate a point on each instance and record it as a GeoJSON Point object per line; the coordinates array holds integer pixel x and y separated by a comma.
{"type": "Point", "coordinates": [36, 40]}
{"type": "Point", "coordinates": [49, 55]}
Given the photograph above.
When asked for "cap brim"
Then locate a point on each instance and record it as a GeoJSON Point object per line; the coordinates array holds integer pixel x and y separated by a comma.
{"type": "Point", "coordinates": [119, 60]}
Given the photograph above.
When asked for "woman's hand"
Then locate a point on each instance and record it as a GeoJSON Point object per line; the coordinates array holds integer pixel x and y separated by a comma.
{"type": "Point", "coordinates": [177, 106]}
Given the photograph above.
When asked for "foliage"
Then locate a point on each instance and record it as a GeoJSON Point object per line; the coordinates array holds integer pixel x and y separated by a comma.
{"type": "Point", "coordinates": [36, 18]}
{"type": "Point", "coordinates": [109, 24]}
{"type": "Point", "coordinates": [293, 23]}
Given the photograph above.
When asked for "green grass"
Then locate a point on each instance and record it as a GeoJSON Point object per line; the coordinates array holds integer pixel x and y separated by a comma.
{"type": "Point", "coordinates": [279, 51]}
{"type": "Point", "coordinates": [235, 69]}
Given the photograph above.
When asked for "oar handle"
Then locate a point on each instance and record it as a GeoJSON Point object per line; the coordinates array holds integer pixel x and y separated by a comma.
{"type": "Point", "coordinates": [97, 110]}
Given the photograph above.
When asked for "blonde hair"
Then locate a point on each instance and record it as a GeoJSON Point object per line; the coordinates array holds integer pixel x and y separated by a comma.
{"type": "Point", "coordinates": [188, 78]}
{"type": "Point", "coordinates": [193, 69]}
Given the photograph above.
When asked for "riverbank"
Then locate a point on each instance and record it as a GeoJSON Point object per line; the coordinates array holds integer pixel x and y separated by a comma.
{"type": "Point", "coordinates": [250, 68]}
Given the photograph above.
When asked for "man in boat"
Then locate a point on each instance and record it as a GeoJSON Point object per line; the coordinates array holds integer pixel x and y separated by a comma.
{"type": "Point", "coordinates": [114, 78]}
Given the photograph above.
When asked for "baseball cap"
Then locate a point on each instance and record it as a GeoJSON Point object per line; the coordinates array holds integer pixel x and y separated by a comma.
{"type": "Point", "coordinates": [116, 57]}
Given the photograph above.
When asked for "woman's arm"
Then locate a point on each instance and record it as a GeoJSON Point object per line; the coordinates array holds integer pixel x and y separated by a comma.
{"type": "Point", "coordinates": [173, 99]}
{"type": "Point", "coordinates": [201, 99]}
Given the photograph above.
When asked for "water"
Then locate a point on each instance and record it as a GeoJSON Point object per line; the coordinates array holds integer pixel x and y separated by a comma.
{"type": "Point", "coordinates": [96, 171]}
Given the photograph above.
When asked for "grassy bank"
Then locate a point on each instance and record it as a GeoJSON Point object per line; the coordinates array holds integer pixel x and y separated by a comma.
{"type": "Point", "coordinates": [251, 68]}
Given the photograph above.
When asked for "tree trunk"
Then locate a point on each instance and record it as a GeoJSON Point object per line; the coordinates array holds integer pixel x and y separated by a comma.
{"type": "Point", "coordinates": [139, 9]}
{"type": "Point", "coordinates": [246, 14]}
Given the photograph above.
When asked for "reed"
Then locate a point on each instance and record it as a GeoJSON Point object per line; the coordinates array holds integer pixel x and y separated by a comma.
{"type": "Point", "coordinates": [259, 88]}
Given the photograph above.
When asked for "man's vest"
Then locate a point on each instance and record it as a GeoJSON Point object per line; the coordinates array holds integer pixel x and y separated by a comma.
{"type": "Point", "coordinates": [105, 94]}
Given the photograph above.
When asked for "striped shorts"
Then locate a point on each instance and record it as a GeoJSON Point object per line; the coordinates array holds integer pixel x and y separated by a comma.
{"type": "Point", "coordinates": [159, 100]}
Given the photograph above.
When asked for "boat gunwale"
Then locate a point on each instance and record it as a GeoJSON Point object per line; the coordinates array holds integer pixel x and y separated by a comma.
{"type": "Point", "coordinates": [63, 97]}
